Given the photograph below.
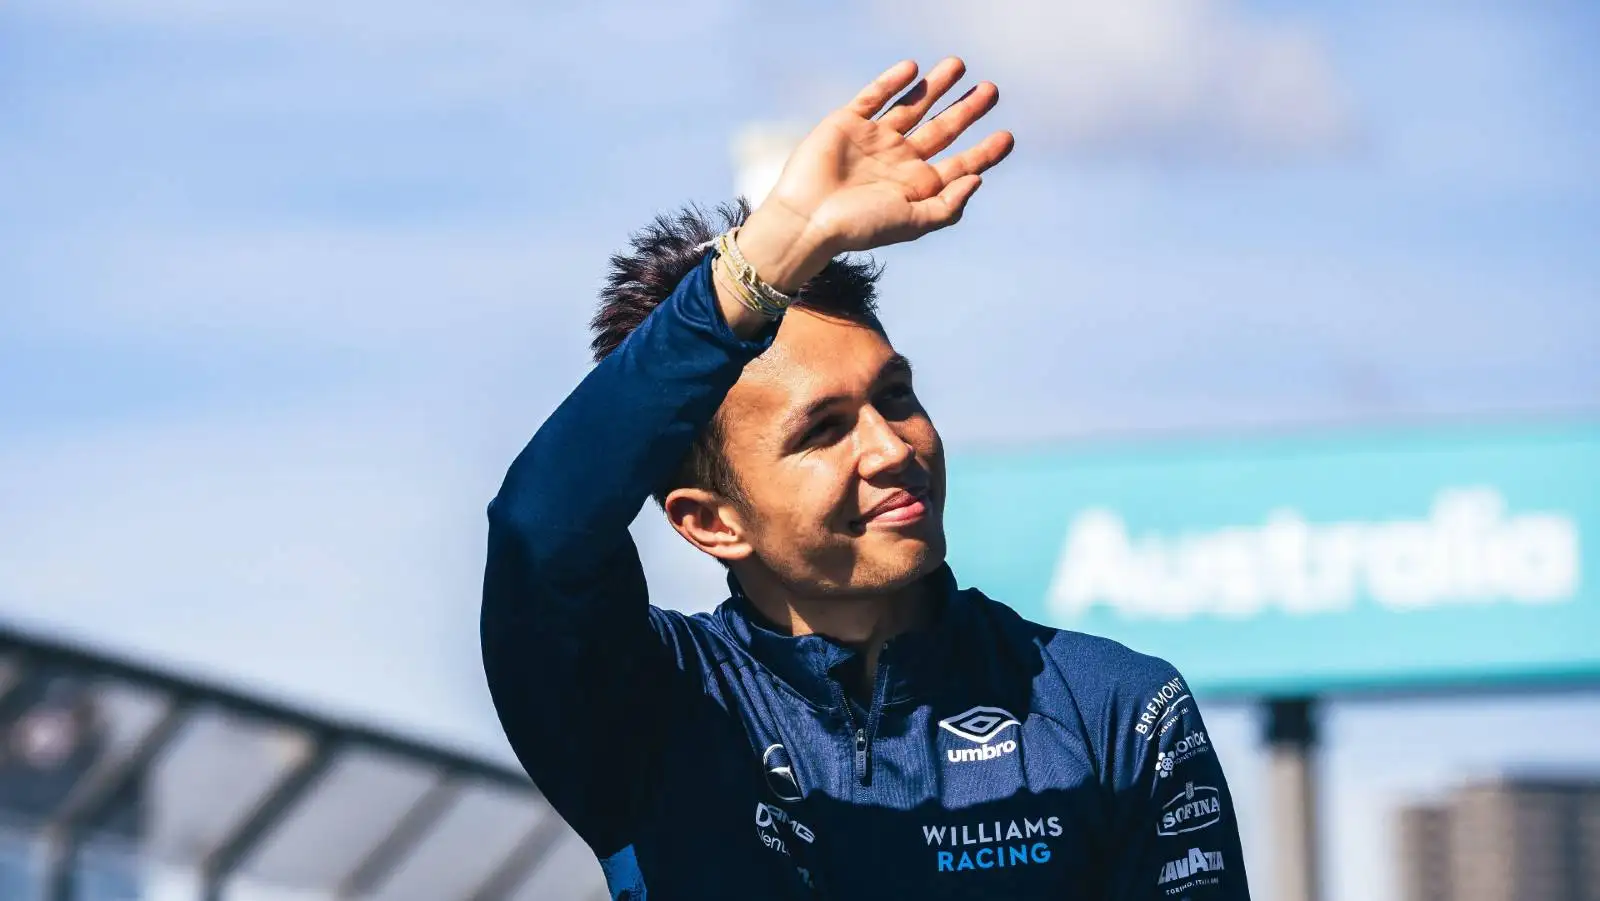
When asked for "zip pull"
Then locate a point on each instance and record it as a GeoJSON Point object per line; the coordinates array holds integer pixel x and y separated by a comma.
{"type": "Point", "coordinates": [861, 755]}
{"type": "Point", "coordinates": [865, 736]}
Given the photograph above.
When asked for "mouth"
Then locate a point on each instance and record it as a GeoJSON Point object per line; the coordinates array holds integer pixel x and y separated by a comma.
{"type": "Point", "coordinates": [898, 509]}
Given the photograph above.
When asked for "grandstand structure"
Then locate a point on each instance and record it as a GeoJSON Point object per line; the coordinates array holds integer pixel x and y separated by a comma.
{"type": "Point", "coordinates": [120, 782]}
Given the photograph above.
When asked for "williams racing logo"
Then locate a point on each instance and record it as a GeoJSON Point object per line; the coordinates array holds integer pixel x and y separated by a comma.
{"type": "Point", "coordinates": [1193, 809]}
{"type": "Point", "coordinates": [992, 844]}
{"type": "Point", "coordinates": [980, 725]}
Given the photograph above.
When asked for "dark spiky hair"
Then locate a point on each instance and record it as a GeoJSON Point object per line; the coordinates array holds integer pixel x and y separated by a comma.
{"type": "Point", "coordinates": [659, 256]}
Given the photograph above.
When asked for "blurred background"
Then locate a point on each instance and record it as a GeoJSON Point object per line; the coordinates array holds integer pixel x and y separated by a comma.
{"type": "Point", "coordinates": [1274, 349]}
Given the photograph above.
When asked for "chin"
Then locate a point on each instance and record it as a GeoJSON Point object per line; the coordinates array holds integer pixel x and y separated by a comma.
{"type": "Point", "coordinates": [907, 559]}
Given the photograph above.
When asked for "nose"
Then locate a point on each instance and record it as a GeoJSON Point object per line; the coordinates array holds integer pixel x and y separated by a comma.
{"type": "Point", "coordinates": [882, 449]}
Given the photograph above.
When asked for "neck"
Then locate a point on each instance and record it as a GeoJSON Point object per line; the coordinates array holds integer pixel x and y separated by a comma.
{"type": "Point", "coordinates": [863, 622]}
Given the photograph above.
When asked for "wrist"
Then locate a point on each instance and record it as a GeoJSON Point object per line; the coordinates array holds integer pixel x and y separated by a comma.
{"type": "Point", "coordinates": [785, 248]}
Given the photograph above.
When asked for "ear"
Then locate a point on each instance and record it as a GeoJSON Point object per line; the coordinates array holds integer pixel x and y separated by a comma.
{"type": "Point", "coordinates": [709, 522]}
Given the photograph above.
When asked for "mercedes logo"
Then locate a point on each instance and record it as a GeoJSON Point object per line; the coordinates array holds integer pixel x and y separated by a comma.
{"type": "Point", "coordinates": [780, 773]}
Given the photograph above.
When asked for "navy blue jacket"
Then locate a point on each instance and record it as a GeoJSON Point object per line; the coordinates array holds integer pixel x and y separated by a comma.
{"type": "Point", "coordinates": [715, 757]}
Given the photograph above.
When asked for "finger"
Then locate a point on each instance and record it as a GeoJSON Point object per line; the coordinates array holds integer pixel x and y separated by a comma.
{"type": "Point", "coordinates": [945, 208]}
{"type": "Point", "coordinates": [939, 132]}
{"type": "Point", "coordinates": [906, 112]}
{"type": "Point", "coordinates": [893, 80]}
{"type": "Point", "coordinates": [977, 159]}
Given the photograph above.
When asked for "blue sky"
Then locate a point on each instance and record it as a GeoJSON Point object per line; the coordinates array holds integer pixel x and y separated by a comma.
{"type": "Point", "coordinates": [284, 287]}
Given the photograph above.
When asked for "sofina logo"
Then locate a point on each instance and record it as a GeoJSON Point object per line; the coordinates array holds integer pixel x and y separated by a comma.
{"type": "Point", "coordinates": [1193, 809]}
{"type": "Point", "coordinates": [980, 725]}
{"type": "Point", "coordinates": [1467, 549]}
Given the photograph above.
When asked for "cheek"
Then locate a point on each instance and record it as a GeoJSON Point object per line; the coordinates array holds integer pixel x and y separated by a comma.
{"type": "Point", "coordinates": [793, 491]}
{"type": "Point", "coordinates": [923, 437]}
{"type": "Point", "coordinates": [930, 450]}
{"type": "Point", "coordinates": [816, 489]}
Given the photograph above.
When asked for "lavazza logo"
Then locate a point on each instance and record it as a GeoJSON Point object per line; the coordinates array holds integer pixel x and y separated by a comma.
{"type": "Point", "coordinates": [980, 725]}
{"type": "Point", "coordinates": [1198, 868]}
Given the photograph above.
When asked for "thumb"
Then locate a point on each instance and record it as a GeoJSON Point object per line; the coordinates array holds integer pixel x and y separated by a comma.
{"type": "Point", "coordinates": [945, 208]}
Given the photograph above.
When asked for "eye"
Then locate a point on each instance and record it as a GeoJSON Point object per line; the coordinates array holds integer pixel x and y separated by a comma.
{"type": "Point", "coordinates": [824, 429]}
{"type": "Point", "coordinates": [899, 394]}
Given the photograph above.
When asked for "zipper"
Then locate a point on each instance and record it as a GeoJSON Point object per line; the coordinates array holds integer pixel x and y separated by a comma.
{"type": "Point", "coordinates": [861, 756]}
{"type": "Point", "coordinates": [858, 734]}
{"type": "Point", "coordinates": [864, 734]}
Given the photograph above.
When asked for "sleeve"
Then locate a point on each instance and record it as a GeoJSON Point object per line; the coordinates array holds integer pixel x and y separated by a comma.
{"type": "Point", "coordinates": [1177, 834]}
{"type": "Point", "coordinates": [581, 681]}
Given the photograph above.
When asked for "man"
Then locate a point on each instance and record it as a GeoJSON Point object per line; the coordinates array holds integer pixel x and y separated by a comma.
{"type": "Point", "coordinates": [847, 724]}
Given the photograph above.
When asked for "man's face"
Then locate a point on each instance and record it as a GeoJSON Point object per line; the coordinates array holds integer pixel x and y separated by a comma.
{"type": "Point", "coordinates": [841, 466]}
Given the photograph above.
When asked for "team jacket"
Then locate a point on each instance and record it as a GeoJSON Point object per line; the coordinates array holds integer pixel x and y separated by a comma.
{"type": "Point", "coordinates": [715, 757]}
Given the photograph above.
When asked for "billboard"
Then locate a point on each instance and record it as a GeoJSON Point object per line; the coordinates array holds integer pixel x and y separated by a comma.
{"type": "Point", "coordinates": [1287, 565]}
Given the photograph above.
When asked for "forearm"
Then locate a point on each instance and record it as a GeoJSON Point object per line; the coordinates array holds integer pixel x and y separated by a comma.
{"type": "Point", "coordinates": [564, 594]}
{"type": "Point", "coordinates": [572, 492]}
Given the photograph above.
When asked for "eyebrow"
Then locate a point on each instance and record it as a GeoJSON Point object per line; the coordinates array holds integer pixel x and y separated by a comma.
{"type": "Point", "coordinates": [795, 422]}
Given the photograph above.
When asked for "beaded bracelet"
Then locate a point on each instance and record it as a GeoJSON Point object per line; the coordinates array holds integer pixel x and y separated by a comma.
{"type": "Point", "coordinates": [755, 294]}
{"type": "Point", "coordinates": [721, 273]}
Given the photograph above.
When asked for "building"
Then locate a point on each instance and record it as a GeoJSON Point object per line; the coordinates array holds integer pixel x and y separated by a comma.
{"type": "Point", "coordinates": [1510, 839]}
{"type": "Point", "coordinates": [1425, 854]}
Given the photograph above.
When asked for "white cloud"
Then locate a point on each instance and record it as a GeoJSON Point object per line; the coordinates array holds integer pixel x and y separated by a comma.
{"type": "Point", "coordinates": [1151, 78]}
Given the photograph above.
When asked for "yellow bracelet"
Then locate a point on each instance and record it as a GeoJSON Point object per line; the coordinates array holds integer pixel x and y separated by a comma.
{"type": "Point", "coordinates": [721, 272]}
{"type": "Point", "coordinates": [757, 294]}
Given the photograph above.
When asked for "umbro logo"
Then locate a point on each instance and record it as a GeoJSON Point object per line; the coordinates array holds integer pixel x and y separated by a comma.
{"type": "Point", "coordinates": [980, 725]}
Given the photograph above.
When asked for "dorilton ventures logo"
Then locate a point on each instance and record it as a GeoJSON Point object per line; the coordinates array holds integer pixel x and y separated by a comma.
{"type": "Point", "coordinates": [1467, 550]}
{"type": "Point", "coordinates": [768, 817]}
{"type": "Point", "coordinates": [980, 725]}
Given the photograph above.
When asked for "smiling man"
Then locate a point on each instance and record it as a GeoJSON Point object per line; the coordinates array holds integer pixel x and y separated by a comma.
{"type": "Point", "coordinates": [848, 723]}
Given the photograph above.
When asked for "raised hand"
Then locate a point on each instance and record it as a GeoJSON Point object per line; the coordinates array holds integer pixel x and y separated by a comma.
{"type": "Point", "coordinates": [858, 182]}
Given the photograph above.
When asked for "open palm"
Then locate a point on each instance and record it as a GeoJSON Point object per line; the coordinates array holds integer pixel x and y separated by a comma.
{"type": "Point", "coordinates": [869, 182]}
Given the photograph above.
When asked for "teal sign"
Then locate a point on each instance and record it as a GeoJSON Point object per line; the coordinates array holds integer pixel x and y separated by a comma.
{"type": "Point", "coordinates": [1397, 560]}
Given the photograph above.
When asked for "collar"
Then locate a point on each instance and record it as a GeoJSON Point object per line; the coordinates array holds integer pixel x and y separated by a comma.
{"type": "Point", "coordinates": [913, 664]}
